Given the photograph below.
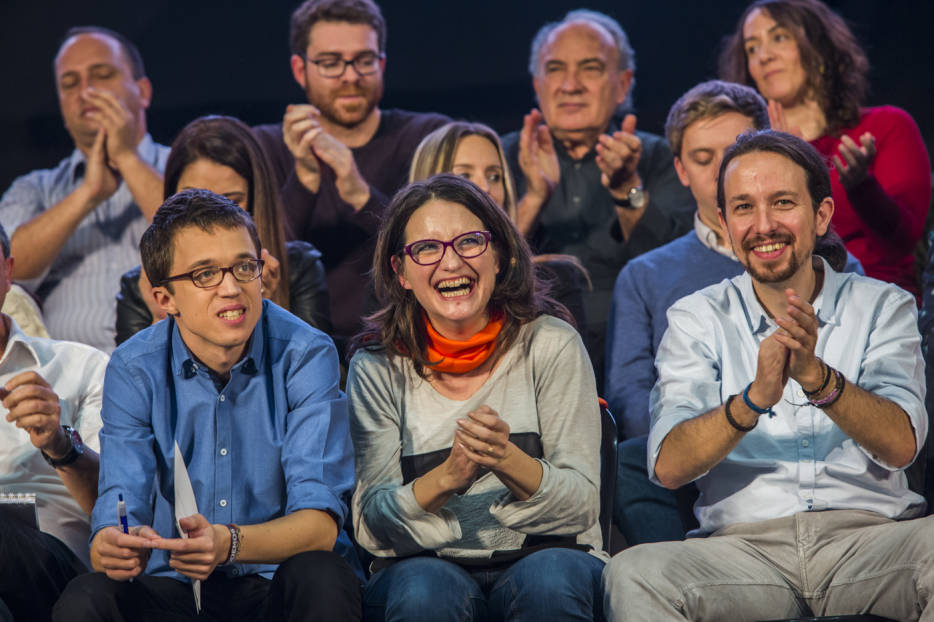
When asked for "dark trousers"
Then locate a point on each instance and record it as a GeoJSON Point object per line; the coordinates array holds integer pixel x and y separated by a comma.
{"type": "Point", "coordinates": [35, 567]}
{"type": "Point", "coordinates": [312, 586]}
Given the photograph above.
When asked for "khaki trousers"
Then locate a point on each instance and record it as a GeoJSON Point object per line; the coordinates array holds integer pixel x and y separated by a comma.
{"type": "Point", "coordinates": [813, 563]}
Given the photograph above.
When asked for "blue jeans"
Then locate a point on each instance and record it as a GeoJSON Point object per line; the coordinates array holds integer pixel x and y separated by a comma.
{"type": "Point", "coordinates": [643, 511]}
{"type": "Point", "coordinates": [553, 584]}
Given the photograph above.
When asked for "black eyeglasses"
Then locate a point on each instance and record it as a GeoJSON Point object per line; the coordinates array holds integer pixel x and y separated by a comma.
{"type": "Point", "coordinates": [467, 245]}
{"type": "Point", "coordinates": [212, 276]}
{"type": "Point", "coordinates": [364, 64]}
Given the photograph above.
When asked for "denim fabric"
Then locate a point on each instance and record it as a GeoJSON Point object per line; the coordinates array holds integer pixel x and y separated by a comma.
{"type": "Point", "coordinates": [554, 584]}
{"type": "Point", "coordinates": [642, 510]}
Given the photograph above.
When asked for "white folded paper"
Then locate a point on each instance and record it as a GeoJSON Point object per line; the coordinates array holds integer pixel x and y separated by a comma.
{"type": "Point", "coordinates": [185, 505]}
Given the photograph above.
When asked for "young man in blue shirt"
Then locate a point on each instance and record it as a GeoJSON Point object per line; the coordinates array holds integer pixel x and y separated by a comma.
{"type": "Point", "coordinates": [250, 396]}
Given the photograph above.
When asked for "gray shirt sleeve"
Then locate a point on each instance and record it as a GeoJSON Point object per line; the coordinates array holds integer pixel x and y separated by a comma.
{"type": "Point", "coordinates": [387, 519]}
{"type": "Point", "coordinates": [568, 499]}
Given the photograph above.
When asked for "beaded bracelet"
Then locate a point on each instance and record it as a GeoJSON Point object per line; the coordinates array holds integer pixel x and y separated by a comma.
{"type": "Point", "coordinates": [834, 395]}
{"type": "Point", "coordinates": [235, 541]}
{"type": "Point", "coordinates": [827, 373]}
{"type": "Point", "coordinates": [733, 422]}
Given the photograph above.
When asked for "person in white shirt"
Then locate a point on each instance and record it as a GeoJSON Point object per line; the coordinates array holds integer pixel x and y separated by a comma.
{"type": "Point", "coordinates": [51, 400]}
{"type": "Point", "coordinates": [805, 507]}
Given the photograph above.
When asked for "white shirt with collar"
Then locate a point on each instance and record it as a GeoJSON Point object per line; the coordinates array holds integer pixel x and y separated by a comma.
{"type": "Point", "coordinates": [76, 373]}
{"type": "Point", "coordinates": [799, 460]}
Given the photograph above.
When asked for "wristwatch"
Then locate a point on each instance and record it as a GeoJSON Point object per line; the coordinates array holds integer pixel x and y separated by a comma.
{"type": "Point", "coordinates": [636, 199]}
{"type": "Point", "coordinates": [76, 449]}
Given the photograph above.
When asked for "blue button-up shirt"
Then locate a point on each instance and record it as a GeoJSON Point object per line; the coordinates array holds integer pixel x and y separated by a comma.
{"type": "Point", "coordinates": [79, 288]}
{"type": "Point", "coordinates": [271, 441]}
{"type": "Point", "coordinates": [798, 460]}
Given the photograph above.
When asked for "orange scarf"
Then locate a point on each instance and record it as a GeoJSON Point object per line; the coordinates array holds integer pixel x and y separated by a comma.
{"type": "Point", "coordinates": [458, 357]}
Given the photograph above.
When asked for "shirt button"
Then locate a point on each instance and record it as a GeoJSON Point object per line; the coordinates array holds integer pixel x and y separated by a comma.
{"type": "Point", "coordinates": [577, 166]}
{"type": "Point", "coordinates": [223, 451]}
{"type": "Point", "coordinates": [576, 199]}
{"type": "Point", "coordinates": [805, 443]}
{"type": "Point", "coordinates": [236, 572]}
{"type": "Point", "coordinates": [223, 503]}
{"type": "Point", "coordinates": [223, 398]}
{"type": "Point", "coordinates": [800, 393]}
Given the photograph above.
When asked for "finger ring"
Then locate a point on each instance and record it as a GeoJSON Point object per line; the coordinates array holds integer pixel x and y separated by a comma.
{"type": "Point", "coordinates": [489, 450]}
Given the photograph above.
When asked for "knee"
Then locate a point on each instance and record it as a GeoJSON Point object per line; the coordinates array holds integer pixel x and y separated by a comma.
{"type": "Point", "coordinates": [552, 569]}
{"type": "Point", "coordinates": [552, 582]}
{"type": "Point", "coordinates": [424, 589]}
{"type": "Point", "coordinates": [319, 583]}
{"type": "Point", "coordinates": [318, 571]}
{"type": "Point", "coordinates": [638, 566]}
{"type": "Point", "coordinates": [423, 582]}
{"type": "Point", "coordinates": [90, 596]}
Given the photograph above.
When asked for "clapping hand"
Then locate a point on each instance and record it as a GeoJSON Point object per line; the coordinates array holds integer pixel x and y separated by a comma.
{"type": "Point", "coordinates": [856, 159]}
{"type": "Point", "coordinates": [485, 437]}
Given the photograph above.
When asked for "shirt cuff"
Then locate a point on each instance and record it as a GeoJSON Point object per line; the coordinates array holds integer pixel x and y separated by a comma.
{"type": "Point", "coordinates": [429, 530]}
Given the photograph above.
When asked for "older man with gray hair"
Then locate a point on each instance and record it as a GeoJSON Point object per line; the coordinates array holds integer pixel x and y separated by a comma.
{"type": "Point", "coordinates": [594, 187]}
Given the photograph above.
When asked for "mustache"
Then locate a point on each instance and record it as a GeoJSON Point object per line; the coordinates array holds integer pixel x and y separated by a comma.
{"type": "Point", "coordinates": [759, 240]}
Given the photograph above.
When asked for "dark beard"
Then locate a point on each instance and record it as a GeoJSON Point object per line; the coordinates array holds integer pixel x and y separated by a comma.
{"type": "Point", "coordinates": [770, 275]}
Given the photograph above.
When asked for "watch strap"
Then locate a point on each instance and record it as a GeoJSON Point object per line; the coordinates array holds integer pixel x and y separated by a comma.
{"type": "Point", "coordinates": [74, 450]}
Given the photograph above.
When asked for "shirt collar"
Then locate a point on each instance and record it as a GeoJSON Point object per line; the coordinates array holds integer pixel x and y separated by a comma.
{"type": "Point", "coordinates": [708, 237]}
{"type": "Point", "coordinates": [146, 150]}
{"type": "Point", "coordinates": [185, 365]}
{"type": "Point", "coordinates": [825, 305]}
{"type": "Point", "coordinates": [17, 339]}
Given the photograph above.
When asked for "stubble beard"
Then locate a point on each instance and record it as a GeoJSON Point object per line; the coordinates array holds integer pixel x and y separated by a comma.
{"type": "Point", "coordinates": [772, 275]}
{"type": "Point", "coordinates": [348, 117]}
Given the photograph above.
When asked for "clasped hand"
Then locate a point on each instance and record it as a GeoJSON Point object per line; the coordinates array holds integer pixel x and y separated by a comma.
{"type": "Point", "coordinates": [481, 440]}
{"type": "Point", "coordinates": [114, 144]}
{"type": "Point", "coordinates": [310, 145]}
{"type": "Point", "coordinates": [787, 353]}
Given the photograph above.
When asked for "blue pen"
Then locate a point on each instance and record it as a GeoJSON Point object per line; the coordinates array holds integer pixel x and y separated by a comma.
{"type": "Point", "coordinates": [121, 513]}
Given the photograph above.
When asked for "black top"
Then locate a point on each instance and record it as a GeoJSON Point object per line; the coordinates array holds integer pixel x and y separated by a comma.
{"type": "Point", "coordinates": [580, 219]}
{"type": "Point", "coordinates": [346, 237]}
{"type": "Point", "coordinates": [308, 293]}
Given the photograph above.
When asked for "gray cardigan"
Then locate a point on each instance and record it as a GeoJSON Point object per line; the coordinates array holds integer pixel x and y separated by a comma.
{"type": "Point", "coordinates": [543, 387]}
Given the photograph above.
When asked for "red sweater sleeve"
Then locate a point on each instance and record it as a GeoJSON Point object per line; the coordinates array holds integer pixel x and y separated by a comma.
{"type": "Point", "coordinates": [894, 200]}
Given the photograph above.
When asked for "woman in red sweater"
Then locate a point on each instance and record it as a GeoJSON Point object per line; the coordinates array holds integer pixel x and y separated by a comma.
{"type": "Point", "coordinates": [803, 58]}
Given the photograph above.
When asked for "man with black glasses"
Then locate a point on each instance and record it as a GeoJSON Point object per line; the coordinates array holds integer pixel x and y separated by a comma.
{"type": "Point", "coordinates": [246, 396]}
{"type": "Point", "coordinates": [339, 158]}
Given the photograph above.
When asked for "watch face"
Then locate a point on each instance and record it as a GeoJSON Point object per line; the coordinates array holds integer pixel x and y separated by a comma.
{"type": "Point", "coordinates": [76, 441]}
{"type": "Point", "coordinates": [637, 198]}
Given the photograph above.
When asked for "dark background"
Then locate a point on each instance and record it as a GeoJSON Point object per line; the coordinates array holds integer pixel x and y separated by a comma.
{"type": "Point", "coordinates": [465, 59]}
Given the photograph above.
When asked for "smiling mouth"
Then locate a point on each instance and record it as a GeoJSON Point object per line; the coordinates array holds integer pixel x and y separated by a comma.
{"type": "Point", "coordinates": [232, 314]}
{"type": "Point", "coordinates": [770, 248]}
{"type": "Point", "coordinates": [452, 288]}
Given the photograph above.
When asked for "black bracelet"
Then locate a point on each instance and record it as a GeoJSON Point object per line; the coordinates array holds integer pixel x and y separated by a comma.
{"type": "Point", "coordinates": [840, 384]}
{"type": "Point", "coordinates": [828, 372]}
{"type": "Point", "coordinates": [734, 422]}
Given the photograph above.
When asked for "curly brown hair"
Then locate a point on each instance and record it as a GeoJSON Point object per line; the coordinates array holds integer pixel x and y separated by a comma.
{"type": "Point", "coordinates": [518, 295]}
{"type": "Point", "coordinates": [833, 60]}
